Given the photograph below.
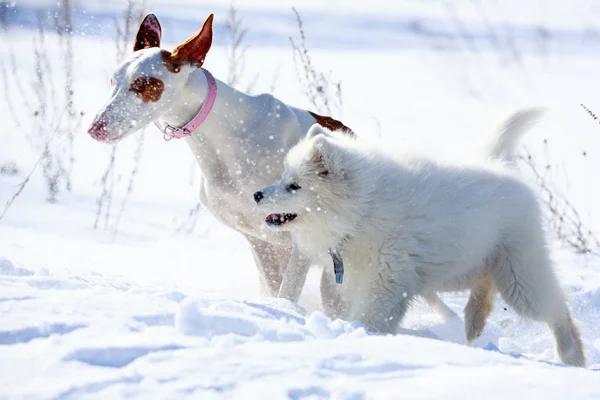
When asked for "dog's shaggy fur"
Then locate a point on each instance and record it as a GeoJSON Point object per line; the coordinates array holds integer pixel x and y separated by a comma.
{"type": "Point", "coordinates": [409, 225]}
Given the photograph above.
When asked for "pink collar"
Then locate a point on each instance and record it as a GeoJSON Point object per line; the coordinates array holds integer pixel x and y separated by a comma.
{"type": "Point", "coordinates": [171, 132]}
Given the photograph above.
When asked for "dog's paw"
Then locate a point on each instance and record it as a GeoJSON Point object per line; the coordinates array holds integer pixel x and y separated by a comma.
{"type": "Point", "coordinates": [474, 326]}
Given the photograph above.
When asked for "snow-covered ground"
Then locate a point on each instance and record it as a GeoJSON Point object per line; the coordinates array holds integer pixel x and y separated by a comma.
{"type": "Point", "coordinates": [148, 311]}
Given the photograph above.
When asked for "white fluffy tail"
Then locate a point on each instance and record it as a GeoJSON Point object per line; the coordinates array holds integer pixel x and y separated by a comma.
{"type": "Point", "coordinates": [504, 141]}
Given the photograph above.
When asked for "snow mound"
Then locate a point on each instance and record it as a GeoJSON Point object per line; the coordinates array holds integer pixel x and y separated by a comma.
{"type": "Point", "coordinates": [131, 341]}
{"type": "Point", "coordinates": [8, 268]}
{"type": "Point", "coordinates": [276, 320]}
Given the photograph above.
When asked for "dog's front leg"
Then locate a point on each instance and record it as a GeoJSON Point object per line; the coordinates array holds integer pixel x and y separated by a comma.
{"type": "Point", "coordinates": [294, 275]}
{"type": "Point", "coordinates": [268, 259]}
{"type": "Point", "coordinates": [334, 304]}
{"type": "Point", "coordinates": [383, 313]}
{"type": "Point", "coordinates": [390, 291]}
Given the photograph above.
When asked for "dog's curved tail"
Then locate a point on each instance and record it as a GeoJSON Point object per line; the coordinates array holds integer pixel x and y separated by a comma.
{"type": "Point", "coordinates": [503, 143]}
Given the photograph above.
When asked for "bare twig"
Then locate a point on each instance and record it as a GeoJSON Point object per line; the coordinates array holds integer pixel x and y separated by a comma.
{"type": "Point", "coordinates": [132, 15]}
{"type": "Point", "coordinates": [461, 28]}
{"type": "Point", "coordinates": [21, 186]}
{"type": "Point", "coordinates": [14, 68]}
{"type": "Point", "coordinates": [236, 51]}
{"type": "Point", "coordinates": [322, 93]}
{"type": "Point", "coordinates": [8, 98]}
{"type": "Point", "coordinates": [105, 199]}
{"type": "Point", "coordinates": [565, 220]}
{"type": "Point", "coordinates": [63, 22]}
{"type": "Point", "coordinates": [274, 80]}
{"type": "Point", "coordinates": [136, 157]}
{"type": "Point", "coordinates": [592, 114]}
{"type": "Point", "coordinates": [189, 224]}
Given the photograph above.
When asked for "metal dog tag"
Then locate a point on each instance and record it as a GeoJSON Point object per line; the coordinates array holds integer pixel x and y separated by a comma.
{"type": "Point", "coordinates": [338, 266]}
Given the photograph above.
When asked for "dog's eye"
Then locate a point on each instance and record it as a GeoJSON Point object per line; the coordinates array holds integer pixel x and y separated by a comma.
{"type": "Point", "coordinates": [293, 186]}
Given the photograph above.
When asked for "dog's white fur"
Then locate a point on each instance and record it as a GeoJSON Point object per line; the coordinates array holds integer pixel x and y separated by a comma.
{"type": "Point", "coordinates": [407, 225]}
{"type": "Point", "coordinates": [239, 148]}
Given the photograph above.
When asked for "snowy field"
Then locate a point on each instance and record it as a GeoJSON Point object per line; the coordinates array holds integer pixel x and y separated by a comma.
{"type": "Point", "coordinates": [140, 307]}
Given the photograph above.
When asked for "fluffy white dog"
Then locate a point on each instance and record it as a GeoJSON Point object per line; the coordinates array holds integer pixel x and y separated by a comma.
{"type": "Point", "coordinates": [407, 225]}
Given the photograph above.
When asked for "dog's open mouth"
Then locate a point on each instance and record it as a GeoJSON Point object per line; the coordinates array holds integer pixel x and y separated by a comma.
{"type": "Point", "coordinates": [279, 219]}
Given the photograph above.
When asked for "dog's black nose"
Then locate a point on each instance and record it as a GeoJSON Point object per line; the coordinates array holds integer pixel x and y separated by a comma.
{"type": "Point", "coordinates": [258, 196]}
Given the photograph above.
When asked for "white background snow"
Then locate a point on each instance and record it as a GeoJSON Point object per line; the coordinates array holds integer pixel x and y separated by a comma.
{"type": "Point", "coordinates": [145, 310]}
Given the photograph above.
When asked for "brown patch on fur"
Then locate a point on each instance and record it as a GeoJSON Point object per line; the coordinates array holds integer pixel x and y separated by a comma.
{"type": "Point", "coordinates": [169, 62]}
{"type": "Point", "coordinates": [480, 305]}
{"type": "Point", "coordinates": [330, 123]}
{"type": "Point", "coordinates": [148, 89]}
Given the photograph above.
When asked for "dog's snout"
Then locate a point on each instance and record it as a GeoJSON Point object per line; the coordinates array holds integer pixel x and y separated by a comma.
{"type": "Point", "coordinates": [98, 130]}
{"type": "Point", "coordinates": [258, 196]}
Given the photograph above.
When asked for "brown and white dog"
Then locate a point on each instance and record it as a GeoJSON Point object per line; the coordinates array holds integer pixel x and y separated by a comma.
{"type": "Point", "coordinates": [239, 146]}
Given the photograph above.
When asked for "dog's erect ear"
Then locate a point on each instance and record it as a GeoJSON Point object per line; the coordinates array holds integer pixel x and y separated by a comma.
{"type": "Point", "coordinates": [148, 34]}
{"type": "Point", "coordinates": [316, 130]}
{"type": "Point", "coordinates": [324, 156]}
{"type": "Point", "coordinates": [193, 51]}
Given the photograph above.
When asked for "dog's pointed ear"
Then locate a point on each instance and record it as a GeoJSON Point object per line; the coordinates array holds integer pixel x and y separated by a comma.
{"type": "Point", "coordinates": [194, 50]}
{"type": "Point", "coordinates": [323, 156]}
{"type": "Point", "coordinates": [148, 34]}
{"type": "Point", "coordinates": [316, 130]}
